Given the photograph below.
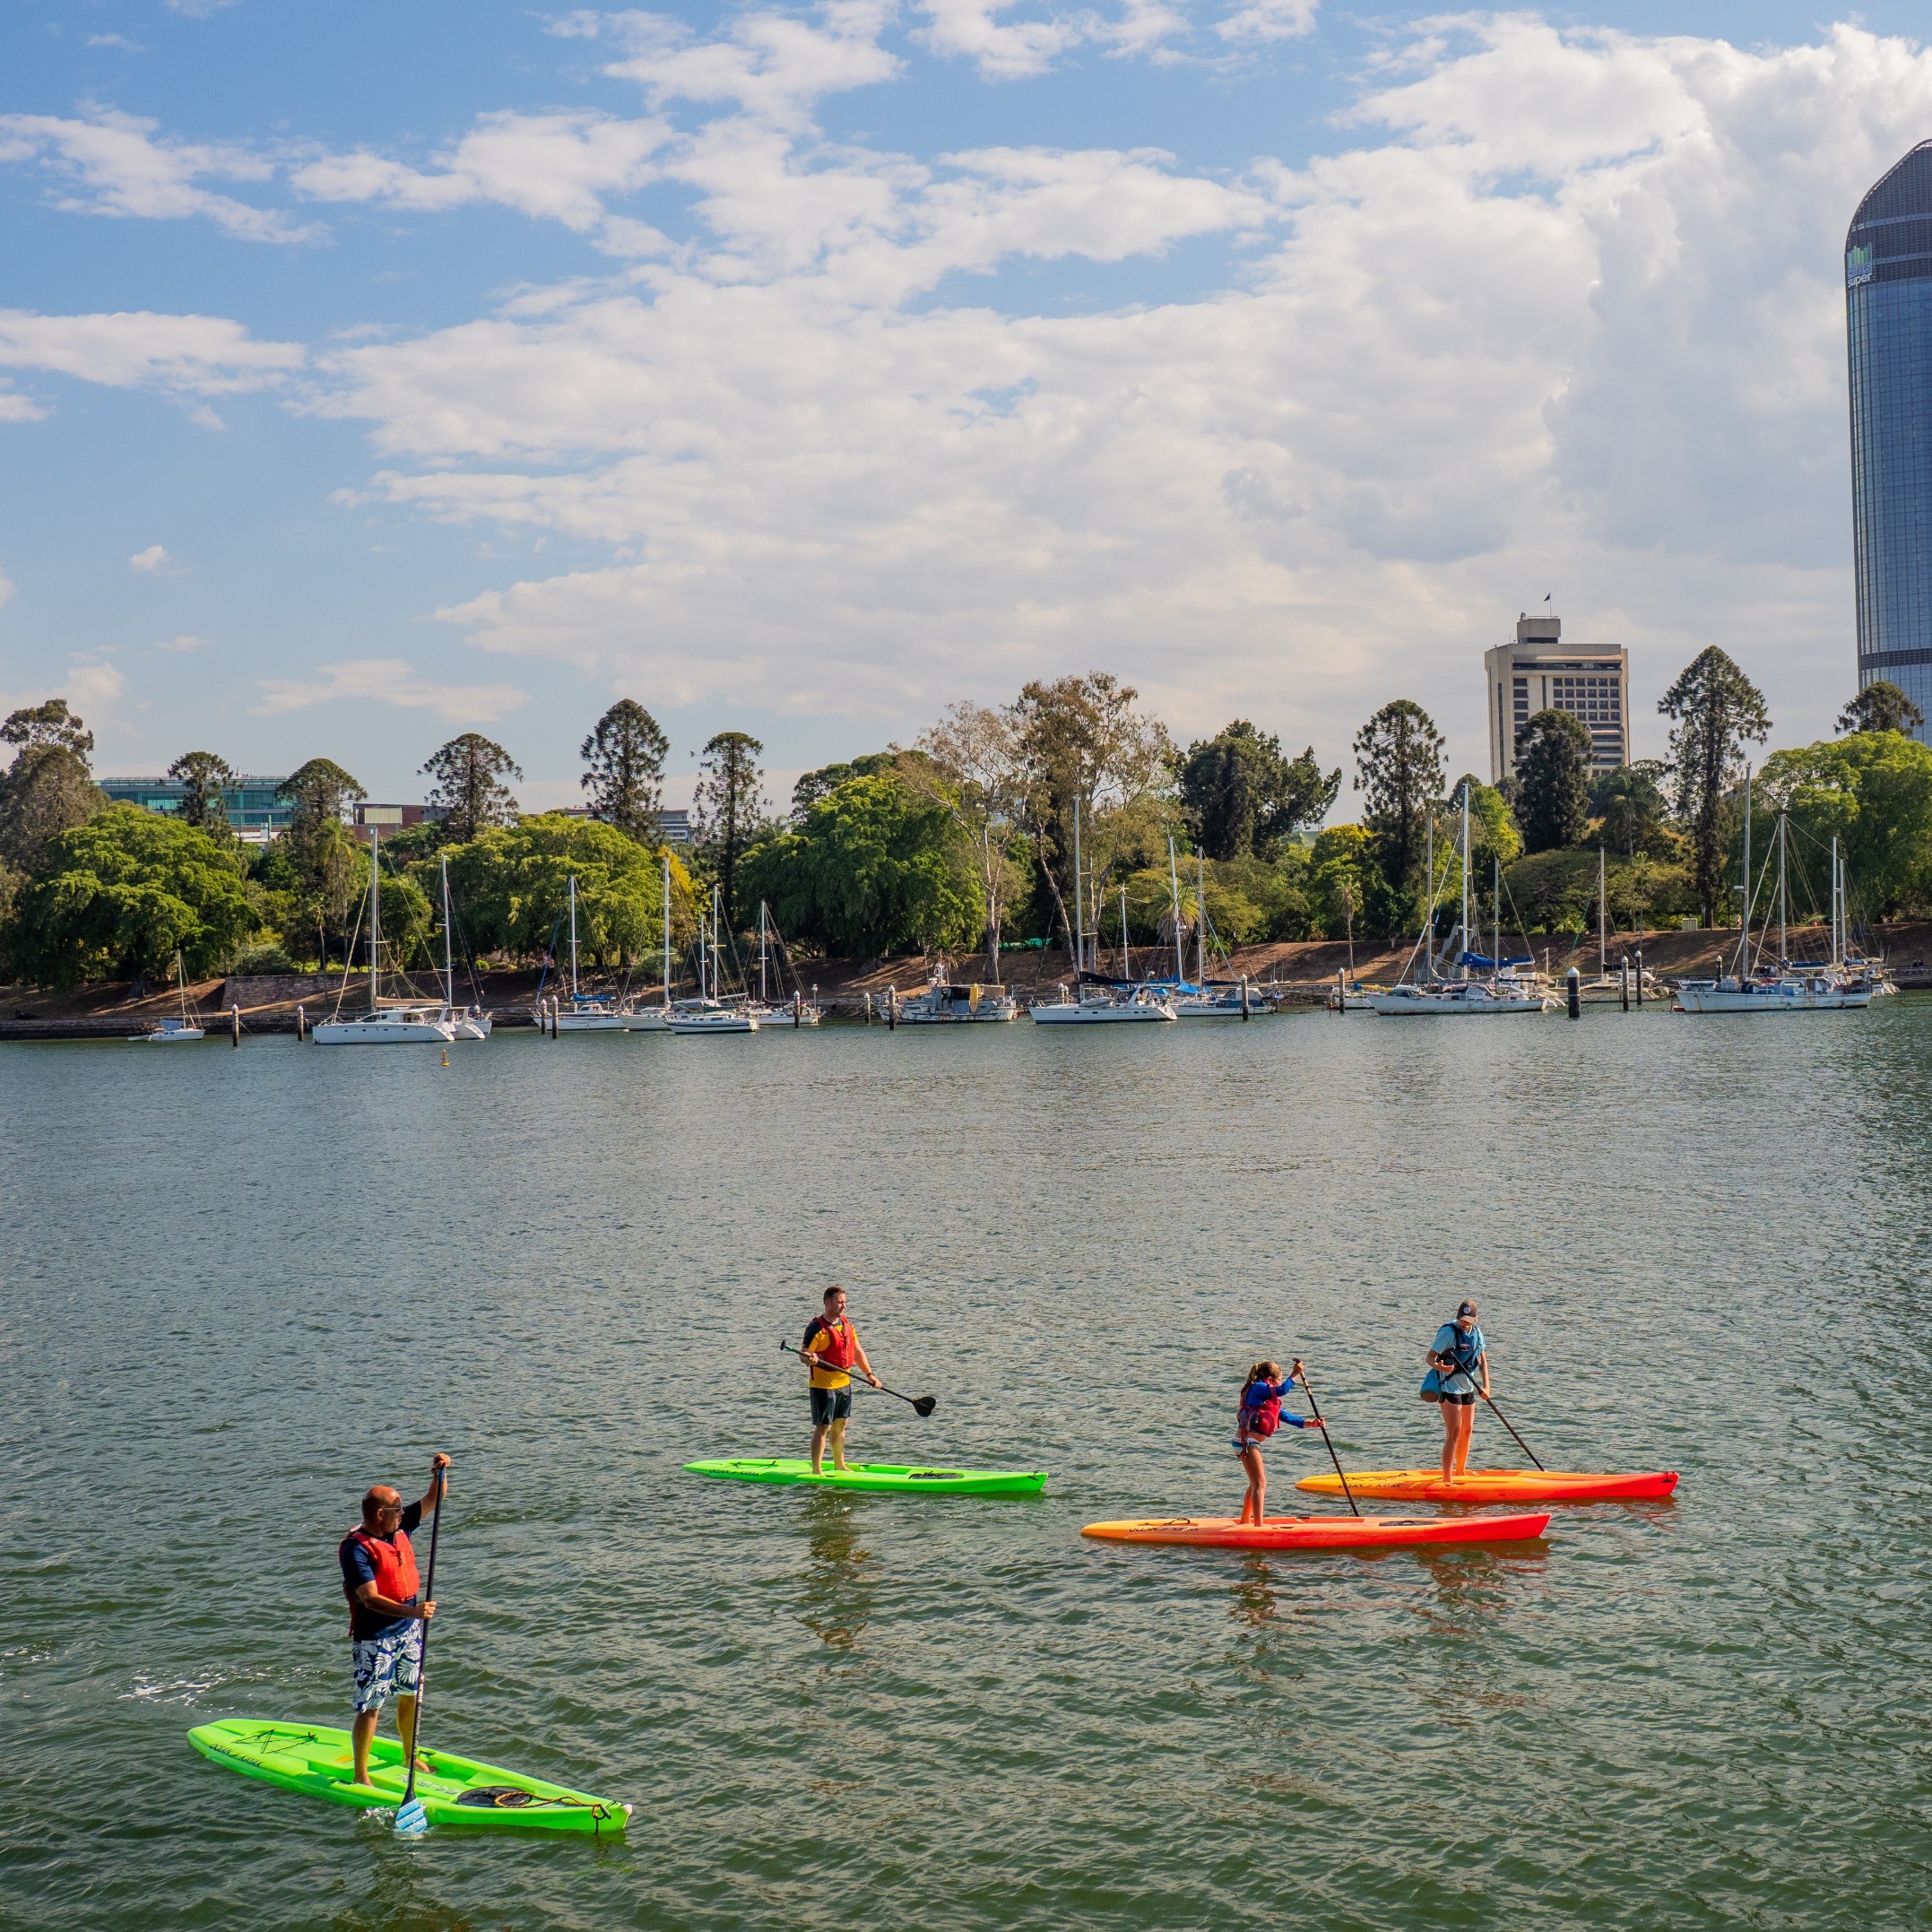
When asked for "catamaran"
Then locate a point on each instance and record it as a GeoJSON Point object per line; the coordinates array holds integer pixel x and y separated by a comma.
{"type": "Point", "coordinates": [401, 1022]}
{"type": "Point", "coordinates": [471, 1022]}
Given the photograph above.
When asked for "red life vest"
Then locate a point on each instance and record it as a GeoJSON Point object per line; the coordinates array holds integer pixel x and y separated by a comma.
{"type": "Point", "coordinates": [836, 1345]}
{"type": "Point", "coordinates": [395, 1566]}
{"type": "Point", "coordinates": [1260, 1419]}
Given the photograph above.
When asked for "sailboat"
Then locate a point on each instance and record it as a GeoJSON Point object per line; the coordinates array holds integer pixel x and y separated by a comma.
{"type": "Point", "coordinates": [587, 1012]}
{"type": "Point", "coordinates": [1198, 998]}
{"type": "Point", "coordinates": [1792, 988]}
{"type": "Point", "coordinates": [401, 1023]}
{"type": "Point", "coordinates": [472, 1023]}
{"type": "Point", "coordinates": [708, 1013]}
{"type": "Point", "coordinates": [1461, 995]}
{"type": "Point", "coordinates": [802, 1011]}
{"type": "Point", "coordinates": [187, 1027]}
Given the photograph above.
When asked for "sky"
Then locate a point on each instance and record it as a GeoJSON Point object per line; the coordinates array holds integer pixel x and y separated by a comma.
{"type": "Point", "coordinates": [370, 373]}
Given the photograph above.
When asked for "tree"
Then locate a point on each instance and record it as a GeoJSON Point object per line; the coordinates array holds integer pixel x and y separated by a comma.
{"type": "Point", "coordinates": [1341, 866]}
{"type": "Point", "coordinates": [624, 775]}
{"type": "Point", "coordinates": [1553, 769]}
{"type": "Point", "coordinates": [314, 862]}
{"type": "Point", "coordinates": [1244, 798]}
{"type": "Point", "coordinates": [49, 726]}
{"type": "Point", "coordinates": [1716, 710]}
{"type": "Point", "coordinates": [971, 766]}
{"type": "Point", "coordinates": [1871, 791]}
{"type": "Point", "coordinates": [466, 780]}
{"type": "Point", "coordinates": [1881, 707]}
{"type": "Point", "coordinates": [730, 808]}
{"type": "Point", "coordinates": [1632, 805]}
{"type": "Point", "coordinates": [1399, 768]}
{"type": "Point", "coordinates": [1081, 742]}
{"type": "Point", "coordinates": [813, 785]}
{"type": "Point", "coordinates": [871, 867]}
{"type": "Point", "coordinates": [120, 894]}
{"type": "Point", "coordinates": [318, 791]}
{"type": "Point", "coordinates": [203, 778]}
{"type": "Point", "coordinates": [1494, 838]}
{"type": "Point", "coordinates": [512, 882]}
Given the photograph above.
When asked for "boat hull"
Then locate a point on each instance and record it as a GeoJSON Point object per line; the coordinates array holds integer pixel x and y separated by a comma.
{"type": "Point", "coordinates": [903, 1478]}
{"type": "Point", "coordinates": [1398, 1005]}
{"type": "Point", "coordinates": [1786, 997]}
{"type": "Point", "coordinates": [1496, 1486]}
{"type": "Point", "coordinates": [383, 1033]}
{"type": "Point", "coordinates": [1322, 1532]}
{"type": "Point", "coordinates": [1102, 1016]}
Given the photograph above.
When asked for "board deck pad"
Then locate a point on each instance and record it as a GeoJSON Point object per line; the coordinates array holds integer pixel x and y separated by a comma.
{"type": "Point", "coordinates": [928, 1478]}
{"type": "Point", "coordinates": [1496, 1486]}
{"type": "Point", "coordinates": [1321, 1532]}
{"type": "Point", "coordinates": [319, 1760]}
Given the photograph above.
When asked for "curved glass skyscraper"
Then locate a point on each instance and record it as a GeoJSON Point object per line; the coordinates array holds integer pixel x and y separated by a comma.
{"type": "Point", "coordinates": [1888, 320]}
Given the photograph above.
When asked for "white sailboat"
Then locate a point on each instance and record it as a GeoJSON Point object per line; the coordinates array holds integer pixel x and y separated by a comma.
{"type": "Point", "coordinates": [401, 1023]}
{"type": "Point", "coordinates": [801, 1011]}
{"type": "Point", "coordinates": [1441, 999]}
{"type": "Point", "coordinates": [187, 1027]}
{"type": "Point", "coordinates": [637, 1016]}
{"type": "Point", "coordinates": [587, 1012]}
{"type": "Point", "coordinates": [471, 1022]}
{"type": "Point", "coordinates": [708, 1014]}
{"type": "Point", "coordinates": [1802, 988]}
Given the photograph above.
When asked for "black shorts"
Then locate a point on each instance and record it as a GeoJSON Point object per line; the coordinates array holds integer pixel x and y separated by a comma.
{"type": "Point", "coordinates": [1461, 1401]}
{"type": "Point", "coordinates": [830, 1405]}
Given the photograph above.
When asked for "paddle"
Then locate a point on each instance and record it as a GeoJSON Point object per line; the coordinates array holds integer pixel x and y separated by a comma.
{"type": "Point", "coordinates": [410, 1819]}
{"type": "Point", "coordinates": [1333, 1458]}
{"type": "Point", "coordinates": [1457, 1369]}
{"type": "Point", "coordinates": [923, 1404]}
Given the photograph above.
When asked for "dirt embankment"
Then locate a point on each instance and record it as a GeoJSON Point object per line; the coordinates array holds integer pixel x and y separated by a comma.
{"type": "Point", "coordinates": [1302, 970]}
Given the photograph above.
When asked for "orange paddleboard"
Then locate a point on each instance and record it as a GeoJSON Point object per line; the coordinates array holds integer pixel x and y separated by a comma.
{"type": "Point", "coordinates": [1322, 1532]}
{"type": "Point", "coordinates": [1496, 1485]}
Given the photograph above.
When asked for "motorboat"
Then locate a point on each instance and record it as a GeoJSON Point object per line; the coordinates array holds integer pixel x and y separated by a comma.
{"type": "Point", "coordinates": [942, 1004]}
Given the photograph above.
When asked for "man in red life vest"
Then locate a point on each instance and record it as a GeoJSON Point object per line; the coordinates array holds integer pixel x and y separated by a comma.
{"type": "Point", "coordinates": [831, 1349]}
{"type": "Point", "coordinates": [385, 1610]}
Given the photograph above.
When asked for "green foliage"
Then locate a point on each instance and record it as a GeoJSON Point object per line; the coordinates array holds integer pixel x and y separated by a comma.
{"type": "Point", "coordinates": [869, 868]}
{"type": "Point", "coordinates": [466, 779]}
{"type": "Point", "coordinates": [266, 956]}
{"type": "Point", "coordinates": [1553, 779]}
{"type": "Point", "coordinates": [1717, 711]}
{"type": "Point", "coordinates": [1874, 792]}
{"type": "Point", "coordinates": [813, 785]}
{"type": "Point", "coordinates": [511, 882]}
{"type": "Point", "coordinates": [1881, 707]}
{"type": "Point", "coordinates": [1341, 873]}
{"type": "Point", "coordinates": [624, 774]}
{"type": "Point", "coordinates": [1555, 892]}
{"type": "Point", "coordinates": [1244, 798]}
{"type": "Point", "coordinates": [1494, 834]}
{"type": "Point", "coordinates": [47, 792]}
{"type": "Point", "coordinates": [118, 896]}
{"type": "Point", "coordinates": [1398, 769]}
{"type": "Point", "coordinates": [51, 726]}
{"type": "Point", "coordinates": [318, 791]}
{"type": "Point", "coordinates": [729, 809]}
{"type": "Point", "coordinates": [1632, 809]}
{"type": "Point", "coordinates": [204, 777]}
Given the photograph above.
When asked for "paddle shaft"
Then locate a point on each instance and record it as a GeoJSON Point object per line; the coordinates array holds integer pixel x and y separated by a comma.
{"type": "Point", "coordinates": [1333, 1458]}
{"type": "Point", "coordinates": [923, 1404]}
{"type": "Point", "coordinates": [422, 1657]}
{"type": "Point", "coordinates": [1469, 1373]}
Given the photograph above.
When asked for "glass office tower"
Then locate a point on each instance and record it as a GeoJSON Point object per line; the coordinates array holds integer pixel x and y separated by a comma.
{"type": "Point", "coordinates": [1888, 321]}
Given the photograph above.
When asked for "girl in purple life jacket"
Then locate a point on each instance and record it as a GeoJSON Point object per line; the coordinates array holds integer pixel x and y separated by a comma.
{"type": "Point", "coordinates": [1257, 1419]}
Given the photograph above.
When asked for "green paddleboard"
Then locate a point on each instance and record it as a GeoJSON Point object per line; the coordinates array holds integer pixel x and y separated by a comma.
{"type": "Point", "coordinates": [909, 1478]}
{"type": "Point", "coordinates": [453, 1790]}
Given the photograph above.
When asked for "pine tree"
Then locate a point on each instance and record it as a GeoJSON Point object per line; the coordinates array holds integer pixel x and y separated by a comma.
{"type": "Point", "coordinates": [1716, 710]}
{"type": "Point", "coordinates": [625, 774]}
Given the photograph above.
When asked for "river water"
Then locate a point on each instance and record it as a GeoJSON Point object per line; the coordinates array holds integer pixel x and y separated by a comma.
{"type": "Point", "coordinates": [240, 1285]}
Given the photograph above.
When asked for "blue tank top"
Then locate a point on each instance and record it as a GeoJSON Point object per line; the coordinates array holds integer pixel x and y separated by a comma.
{"type": "Point", "coordinates": [1463, 1350]}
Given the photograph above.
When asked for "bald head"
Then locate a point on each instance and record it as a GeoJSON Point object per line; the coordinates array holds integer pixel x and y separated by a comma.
{"type": "Point", "coordinates": [379, 1503]}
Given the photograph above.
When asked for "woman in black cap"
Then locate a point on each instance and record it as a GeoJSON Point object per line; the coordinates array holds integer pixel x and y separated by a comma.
{"type": "Point", "coordinates": [1456, 1367]}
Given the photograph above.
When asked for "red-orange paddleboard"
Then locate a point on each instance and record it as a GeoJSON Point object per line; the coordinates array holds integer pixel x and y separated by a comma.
{"type": "Point", "coordinates": [1496, 1485]}
{"type": "Point", "coordinates": [1322, 1532]}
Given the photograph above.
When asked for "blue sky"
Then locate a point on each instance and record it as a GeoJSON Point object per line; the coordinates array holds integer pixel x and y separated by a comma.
{"type": "Point", "coordinates": [369, 373]}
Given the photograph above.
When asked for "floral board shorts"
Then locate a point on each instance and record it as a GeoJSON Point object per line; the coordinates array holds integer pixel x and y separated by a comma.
{"type": "Point", "coordinates": [387, 1666]}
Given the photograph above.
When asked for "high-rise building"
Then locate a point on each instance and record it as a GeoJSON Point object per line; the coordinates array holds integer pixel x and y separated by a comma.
{"type": "Point", "coordinates": [1538, 673]}
{"type": "Point", "coordinates": [1888, 329]}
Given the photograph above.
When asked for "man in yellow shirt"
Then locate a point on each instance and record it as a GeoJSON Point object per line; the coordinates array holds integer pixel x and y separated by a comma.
{"type": "Point", "coordinates": [831, 1349]}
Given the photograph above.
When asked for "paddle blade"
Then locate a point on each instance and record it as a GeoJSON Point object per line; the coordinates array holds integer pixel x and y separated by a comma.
{"type": "Point", "coordinates": [925, 1405]}
{"type": "Point", "coordinates": [411, 1820]}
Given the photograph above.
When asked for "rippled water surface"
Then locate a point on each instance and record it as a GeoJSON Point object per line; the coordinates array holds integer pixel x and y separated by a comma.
{"type": "Point", "coordinates": [240, 1286]}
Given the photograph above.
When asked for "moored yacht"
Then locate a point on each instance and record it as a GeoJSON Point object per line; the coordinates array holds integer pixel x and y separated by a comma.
{"type": "Point", "coordinates": [397, 1023]}
{"type": "Point", "coordinates": [942, 1004]}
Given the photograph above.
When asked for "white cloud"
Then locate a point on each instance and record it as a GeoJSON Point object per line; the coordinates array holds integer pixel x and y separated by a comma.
{"type": "Point", "coordinates": [17, 408]}
{"type": "Point", "coordinates": [93, 687]}
{"type": "Point", "coordinates": [153, 558]}
{"type": "Point", "coordinates": [1572, 309]}
{"type": "Point", "coordinates": [6, 587]}
{"type": "Point", "coordinates": [389, 680]}
{"type": "Point", "coordinates": [202, 355]}
{"type": "Point", "coordinates": [185, 642]}
{"type": "Point", "coordinates": [114, 40]}
{"type": "Point", "coordinates": [1269, 19]}
{"type": "Point", "coordinates": [113, 165]}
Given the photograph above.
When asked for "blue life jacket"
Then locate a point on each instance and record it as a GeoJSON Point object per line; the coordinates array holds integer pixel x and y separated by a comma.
{"type": "Point", "coordinates": [1463, 1353]}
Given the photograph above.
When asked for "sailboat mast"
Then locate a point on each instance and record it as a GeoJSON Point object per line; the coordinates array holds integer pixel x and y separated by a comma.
{"type": "Point", "coordinates": [1837, 929]}
{"type": "Point", "coordinates": [1784, 950]}
{"type": "Point", "coordinates": [1428, 910]}
{"type": "Point", "coordinates": [449, 956]}
{"type": "Point", "coordinates": [376, 917]}
{"type": "Point", "coordinates": [1744, 932]}
{"type": "Point", "coordinates": [1173, 886]}
{"type": "Point", "coordinates": [1603, 915]}
{"type": "Point", "coordinates": [764, 997]}
{"type": "Point", "coordinates": [573, 939]}
{"type": "Point", "coordinates": [1080, 899]}
{"type": "Point", "coordinates": [1126, 968]}
{"type": "Point", "coordinates": [1496, 860]}
{"type": "Point", "coordinates": [1200, 917]}
{"type": "Point", "coordinates": [667, 931]}
{"type": "Point", "coordinates": [1462, 935]}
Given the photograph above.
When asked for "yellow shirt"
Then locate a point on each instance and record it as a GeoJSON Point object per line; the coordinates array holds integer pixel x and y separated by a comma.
{"type": "Point", "coordinates": [828, 1378]}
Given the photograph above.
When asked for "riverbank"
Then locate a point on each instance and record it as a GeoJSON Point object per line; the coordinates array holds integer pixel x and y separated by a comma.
{"type": "Point", "coordinates": [1296, 973]}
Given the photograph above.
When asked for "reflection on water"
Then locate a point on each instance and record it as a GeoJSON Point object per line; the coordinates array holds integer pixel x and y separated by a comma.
{"type": "Point", "coordinates": [1252, 1599]}
{"type": "Point", "coordinates": [838, 1590]}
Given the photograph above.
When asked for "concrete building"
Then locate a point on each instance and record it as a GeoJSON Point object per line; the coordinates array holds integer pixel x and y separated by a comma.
{"type": "Point", "coordinates": [1888, 342]}
{"type": "Point", "coordinates": [387, 819]}
{"type": "Point", "coordinates": [1538, 673]}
